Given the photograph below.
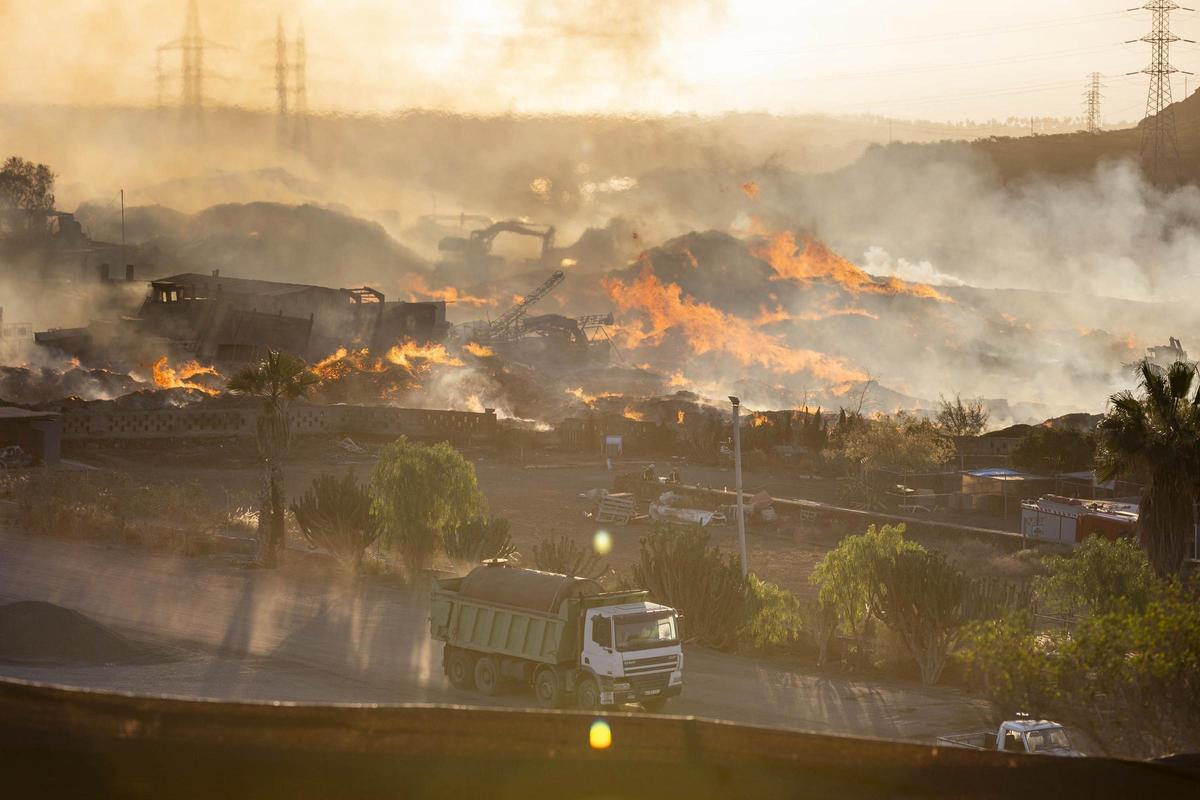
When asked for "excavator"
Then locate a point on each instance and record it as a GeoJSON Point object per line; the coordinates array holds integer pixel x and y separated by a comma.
{"type": "Point", "coordinates": [475, 250]}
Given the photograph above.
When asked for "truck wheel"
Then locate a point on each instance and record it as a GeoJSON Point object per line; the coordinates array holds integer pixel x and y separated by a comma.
{"type": "Point", "coordinates": [460, 667]}
{"type": "Point", "coordinates": [547, 688]}
{"type": "Point", "coordinates": [655, 705]}
{"type": "Point", "coordinates": [487, 676]}
{"type": "Point", "coordinates": [587, 695]}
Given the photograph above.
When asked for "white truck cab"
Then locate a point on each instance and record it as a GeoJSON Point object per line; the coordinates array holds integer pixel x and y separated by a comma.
{"type": "Point", "coordinates": [634, 653]}
{"type": "Point", "coordinates": [1039, 736]}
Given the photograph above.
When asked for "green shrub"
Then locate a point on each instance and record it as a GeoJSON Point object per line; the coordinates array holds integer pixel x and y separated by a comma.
{"type": "Point", "coordinates": [1127, 678]}
{"type": "Point", "coordinates": [480, 538]}
{"type": "Point", "coordinates": [681, 570]}
{"type": "Point", "coordinates": [774, 616]}
{"type": "Point", "coordinates": [1100, 575]}
{"type": "Point", "coordinates": [566, 557]}
{"type": "Point", "coordinates": [335, 514]}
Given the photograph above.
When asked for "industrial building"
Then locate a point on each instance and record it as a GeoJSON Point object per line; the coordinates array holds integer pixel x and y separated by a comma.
{"type": "Point", "coordinates": [228, 321]}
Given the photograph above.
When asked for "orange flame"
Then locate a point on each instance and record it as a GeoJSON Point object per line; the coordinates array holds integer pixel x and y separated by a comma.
{"type": "Point", "coordinates": [582, 396]}
{"type": "Point", "coordinates": [636, 416]}
{"type": "Point", "coordinates": [766, 316]}
{"type": "Point", "coordinates": [420, 357]}
{"type": "Point", "coordinates": [167, 377]}
{"type": "Point", "coordinates": [420, 289]}
{"type": "Point", "coordinates": [815, 260]}
{"type": "Point", "coordinates": [758, 420]}
{"type": "Point", "coordinates": [479, 350]}
{"type": "Point", "coordinates": [680, 417]}
{"type": "Point", "coordinates": [708, 329]}
{"type": "Point", "coordinates": [751, 189]}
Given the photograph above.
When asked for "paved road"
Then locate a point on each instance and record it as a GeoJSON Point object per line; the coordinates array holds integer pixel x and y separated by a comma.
{"type": "Point", "coordinates": [305, 635]}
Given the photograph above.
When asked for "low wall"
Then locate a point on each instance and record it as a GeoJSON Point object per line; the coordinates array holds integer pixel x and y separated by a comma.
{"type": "Point", "coordinates": [60, 742]}
{"type": "Point", "coordinates": [84, 424]}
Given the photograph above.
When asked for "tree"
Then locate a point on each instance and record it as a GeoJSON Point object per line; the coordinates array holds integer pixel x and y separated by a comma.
{"type": "Point", "coordinates": [1049, 451]}
{"type": "Point", "coordinates": [962, 419]}
{"type": "Point", "coordinates": [1155, 435]}
{"type": "Point", "coordinates": [276, 380]}
{"type": "Point", "coordinates": [682, 570]}
{"type": "Point", "coordinates": [1100, 576]}
{"type": "Point", "coordinates": [1127, 678]}
{"type": "Point", "coordinates": [900, 442]}
{"type": "Point", "coordinates": [26, 193]}
{"type": "Point", "coordinates": [919, 595]}
{"type": "Point", "coordinates": [845, 576]}
{"type": "Point", "coordinates": [419, 493]}
{"type": "Point", "coordinates": [335, 514]}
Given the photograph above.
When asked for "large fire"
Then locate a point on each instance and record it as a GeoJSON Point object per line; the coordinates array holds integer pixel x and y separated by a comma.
{"type": "Point", "coordinates": [814, 260]}
{"type": "Point", "coordinates": [421, 357]}
{"type": "Point", "coordinates": [708, 329]}
{"type": "Point", "coordinates": [168, 377]}
{"type": "Point", "coordinates": [590, 399]}
{"type": "Point", "coordinates": [393, 373]}
{"type": "Point", "coordinates": [419, 289]}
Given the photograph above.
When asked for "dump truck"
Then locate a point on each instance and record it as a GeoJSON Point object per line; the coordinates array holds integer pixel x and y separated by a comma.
{"type": "Point", "coordinates": [564, 636]}
{"type": "Point", "coordinates": [1017, 736]}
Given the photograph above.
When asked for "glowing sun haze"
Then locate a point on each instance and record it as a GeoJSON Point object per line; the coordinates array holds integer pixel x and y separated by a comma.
{"type": "Point", "coordinates": [931, 59]}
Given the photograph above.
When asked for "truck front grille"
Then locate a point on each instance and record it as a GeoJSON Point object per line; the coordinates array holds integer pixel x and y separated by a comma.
{"type": "Point", "coordinates": [642, 683]}
{"type": "Point", "coordinates": [636, 666]}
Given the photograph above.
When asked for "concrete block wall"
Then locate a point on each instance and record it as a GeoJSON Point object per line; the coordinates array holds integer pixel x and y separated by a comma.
{"type": "Point", "coordinates": [86, 424]}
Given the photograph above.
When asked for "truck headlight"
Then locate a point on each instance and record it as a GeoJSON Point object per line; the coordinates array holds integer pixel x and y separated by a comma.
{"type": "Point", "coordinates": [621, 686]}
{"type": "Point", "coordinates": [676, 678]}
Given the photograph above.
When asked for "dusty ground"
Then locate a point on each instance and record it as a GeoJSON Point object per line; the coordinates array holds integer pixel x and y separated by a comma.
{"type": "Point", "coordinates": [539, 499]}
{"type": "Point", "coordinates": [302, 633]}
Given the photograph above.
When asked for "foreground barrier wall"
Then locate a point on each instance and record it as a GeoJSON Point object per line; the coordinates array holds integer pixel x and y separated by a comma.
{"type": "Point", "coordinates": [234, 421]}
{"type": "Point", "coordinates": [60, 742]}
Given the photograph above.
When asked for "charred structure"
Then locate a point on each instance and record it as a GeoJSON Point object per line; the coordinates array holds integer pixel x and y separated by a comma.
{"type": "Point", "coordinates": [225, 320]}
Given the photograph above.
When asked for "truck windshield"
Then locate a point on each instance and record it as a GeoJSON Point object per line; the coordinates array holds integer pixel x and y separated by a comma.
{"type": "Point", "coordinates": [1048, 739]}
{"type": "Point", "coordinates": [645, 630]}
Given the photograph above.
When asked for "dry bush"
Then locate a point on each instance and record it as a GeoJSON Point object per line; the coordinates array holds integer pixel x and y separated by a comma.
{"type": "Point", "coordinates": [111, 505]}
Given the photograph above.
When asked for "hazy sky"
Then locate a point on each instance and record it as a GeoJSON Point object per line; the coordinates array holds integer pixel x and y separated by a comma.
{"type": "Point", "coordinates": [932, 59]}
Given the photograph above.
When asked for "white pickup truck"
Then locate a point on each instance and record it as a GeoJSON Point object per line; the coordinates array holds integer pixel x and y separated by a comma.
{"type": "Point", "coordinates": [1017, 736]}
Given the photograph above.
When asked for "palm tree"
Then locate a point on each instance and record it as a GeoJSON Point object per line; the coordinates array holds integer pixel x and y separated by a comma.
{"type": "Point", "coordinates": [277, 380]}
{"type": "Point", "coordinates": [1156, 436]}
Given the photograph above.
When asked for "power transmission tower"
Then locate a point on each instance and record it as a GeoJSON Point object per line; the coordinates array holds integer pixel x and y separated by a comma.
{"type": "Point", "coordinates": [191, 68]}
{"type": "Point", "coordinates": [281, 83]}
{"type": "Point", "coordinates": [192, 45]}
{"type": "Point", "coordinates": [1091, 103]}
{"type": "Point", "coordinates": [1160, 145]}
{"type": "Point", "coordinates": [300, 80]}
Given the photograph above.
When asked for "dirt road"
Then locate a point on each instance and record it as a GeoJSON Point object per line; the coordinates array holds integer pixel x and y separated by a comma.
{"type": "Point", "coordinates": [303, 634]}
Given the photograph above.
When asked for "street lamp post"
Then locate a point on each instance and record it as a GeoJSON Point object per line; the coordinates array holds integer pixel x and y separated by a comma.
{"type": "Point", "coordinates": [737, 475]}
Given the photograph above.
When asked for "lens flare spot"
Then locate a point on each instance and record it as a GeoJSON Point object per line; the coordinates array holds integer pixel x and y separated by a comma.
{"type": "Point", "coordinates": [600, 735]}
{"type": "Point", "coordinates": [602, 543]}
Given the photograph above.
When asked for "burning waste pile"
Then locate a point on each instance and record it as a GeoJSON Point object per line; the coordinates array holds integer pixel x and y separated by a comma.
{"type": "Point", "coordinates": [776, 317]}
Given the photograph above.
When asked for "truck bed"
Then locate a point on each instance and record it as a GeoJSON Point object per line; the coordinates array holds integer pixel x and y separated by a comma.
{"type": "Point", "coordinates": [491, 628]}
{"type": "Point", "coordinates": [978, 740]}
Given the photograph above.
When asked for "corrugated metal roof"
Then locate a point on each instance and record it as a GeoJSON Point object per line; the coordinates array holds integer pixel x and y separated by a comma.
{"type": "Point", "coordinates": [243, 285]}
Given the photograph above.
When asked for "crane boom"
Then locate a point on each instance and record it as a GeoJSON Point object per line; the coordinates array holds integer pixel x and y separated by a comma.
{"type": "Point", "coordinates": [506, 322]}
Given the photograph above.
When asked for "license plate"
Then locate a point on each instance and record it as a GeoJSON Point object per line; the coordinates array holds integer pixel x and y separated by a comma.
{"type": "Point", "coordinates": [652, 691]}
